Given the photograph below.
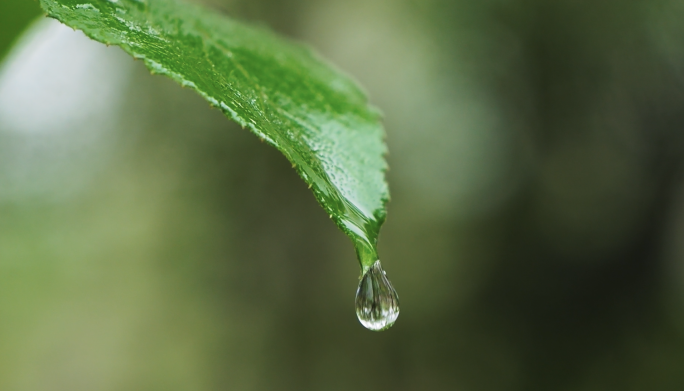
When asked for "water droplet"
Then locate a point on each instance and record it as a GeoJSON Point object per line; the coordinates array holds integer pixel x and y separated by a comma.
{"type": "Point", "coordinates": [377, 303]}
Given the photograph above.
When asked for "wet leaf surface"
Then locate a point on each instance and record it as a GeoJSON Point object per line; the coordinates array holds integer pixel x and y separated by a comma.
{"type": "Point", "coordinates": [290, 98]}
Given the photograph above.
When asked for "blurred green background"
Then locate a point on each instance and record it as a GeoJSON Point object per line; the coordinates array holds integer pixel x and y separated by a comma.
{"type": "Point", "coordinates": [535, 233]}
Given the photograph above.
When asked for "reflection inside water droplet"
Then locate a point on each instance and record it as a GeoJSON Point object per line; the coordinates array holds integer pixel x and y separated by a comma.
{"type": "Point", "coordinates": [377, 303]}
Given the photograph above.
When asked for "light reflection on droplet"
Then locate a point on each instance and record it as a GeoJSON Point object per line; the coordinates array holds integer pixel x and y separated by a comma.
{"type": "Point", "coordinates": [377, 303]}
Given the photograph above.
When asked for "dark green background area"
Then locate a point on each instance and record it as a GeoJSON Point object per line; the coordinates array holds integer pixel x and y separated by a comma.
{"type": "Point", "coordinates": [14, 16]}
{"type": "Point", "coordinates": [534, 233]}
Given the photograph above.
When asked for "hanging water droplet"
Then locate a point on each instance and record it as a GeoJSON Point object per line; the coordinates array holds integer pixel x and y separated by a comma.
{"type": "Point", "coordinates": [377, 303]}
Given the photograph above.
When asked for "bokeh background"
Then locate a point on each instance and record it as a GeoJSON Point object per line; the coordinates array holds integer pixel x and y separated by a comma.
{"type": "Point", "coordinates": [535, 233]}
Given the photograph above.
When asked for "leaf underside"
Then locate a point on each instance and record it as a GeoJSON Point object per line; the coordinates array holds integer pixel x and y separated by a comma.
{"type": "Point", "coordinates": [316, 116]}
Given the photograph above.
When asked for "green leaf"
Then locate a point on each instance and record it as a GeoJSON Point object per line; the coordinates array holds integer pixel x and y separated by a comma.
{"type": "Point", "coordinates": [316, 116]}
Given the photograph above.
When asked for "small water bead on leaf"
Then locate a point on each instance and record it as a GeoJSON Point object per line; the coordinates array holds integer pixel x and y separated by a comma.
{"type": "Point", "coordinates": [377, 303]}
